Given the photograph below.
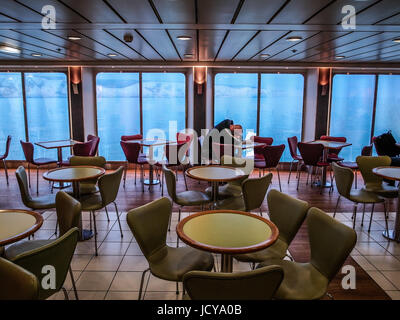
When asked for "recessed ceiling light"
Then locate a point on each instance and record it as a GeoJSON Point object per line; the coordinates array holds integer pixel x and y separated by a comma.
{"type": "Point", "coordinates": [74, 38]}
{"type": "Point", "coordinates": [294, 39]}
{"type": "Point", "coordinates": [340, 57]}
{"type": "Point", "coordinates": [184, 38]}
{"type": "Point", "coordinates": [188, 55]}
{"type": "Point", "coordinates": [264, 55]}
{"type": "Point", "coordinates": [8, 49]}
{"type": "Point", "coordinates": [112, 55]}
{"type": "Point", "coordinates": [397, 40]}
{"type": "Point", "coordinates": [36, 54]}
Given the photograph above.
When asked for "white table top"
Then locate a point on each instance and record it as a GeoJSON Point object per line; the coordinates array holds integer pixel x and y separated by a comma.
{"type": "Point", "coordinates": [391, 173]}
{"type": "Point", "coordinates": [215, 173]}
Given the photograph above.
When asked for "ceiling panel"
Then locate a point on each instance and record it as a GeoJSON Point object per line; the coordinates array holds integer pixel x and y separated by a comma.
{"type": "Point", "coordinates": [395, 20]}
{"type": "Point", "coordinates": [380, 11]}
{"type": "Point", "coordinates": [255, 11]}
{"type": "Point", "coordinates": [259, 43]}
{"type": "Point", "coordinates": [134, 11]}
{"type": "Point", "coordinates": [94, 10]}
{"type": "Point", "coordinates": [298, 11]}
{"type": "Point", "coordinates": [176, 11]}
{"type": "Point", "coordinates": [160, 41]}
{"type": "Point", "coordinates": [209, 43]}
{"type": "Point", "coordinates": [19, 12]}
{"type": "Point", "coordinates": [234, 42]}
{"type": "Point", "coordinates": [333, 14]}
{"type": "Point", "coordinates": [216, 11]}
{"type": "Point", "coordinates": [3, 18]}
{"type": "Point", "coordinates": [63, 14]}
{"type": "Point", "coordinates": [390, 49]}
{"type": "Point", "coordinates": [187, 46]}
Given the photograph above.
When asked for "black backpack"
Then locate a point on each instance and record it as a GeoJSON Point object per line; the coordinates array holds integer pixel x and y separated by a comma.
{"type": "Point", "coordinates": [385, 144]}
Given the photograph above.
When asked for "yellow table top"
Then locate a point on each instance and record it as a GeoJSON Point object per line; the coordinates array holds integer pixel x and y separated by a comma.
{"type": "Point", "coordinates": [215, 173]}
{"type": "Point", "coordinates": [17, 224]}
{"type": "Point", "coordinates": [391, 173]}
{"type": "Point", "coordinates": [71, 174]}
{"type": "Point", "coordinates": [227, 231]}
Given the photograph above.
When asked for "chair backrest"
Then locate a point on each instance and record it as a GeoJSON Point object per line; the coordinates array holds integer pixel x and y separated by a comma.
{"type": "Point", "coordinates": [259, 284]}
{"type": "Point", "coordinates": [254, 191]}
{"type": "Point", "coordinates": [170, 181]}
{"type": "Point", "coordinates": [150, 236]}
{"type": "Point", "coordinates": [273, 155]}
{"type": "Point", "coordinates": [266, 140]}
{"type": "Point", "coordinates": [335, 139]}
{"type": "Point", "coordinates": [82, 149]}
{"type": "Point", "coordinates": [16, 282]}
{"type": "Point", "coordinates": [88, 161]}
{"type": "Point", "coordinates": [366, 164]}
{"type": "Point", "coordinates": [68, 212]}
{"type": "Point", "coordinates": [331, 242]}
{"type": "Point", "coordinates": [287, 213]}
{"type": "Point", "coordinates": [28, 149]}
{"type": "Point", "coordinates": [182, 137]}
{"type": "Point", "coordinates": [246, 164]}
{"type": "Point", "coordinates": [57, 254]}
{"type": "Point", "coordinates": [219, 150]}
{"type": "Point", "coordinates": [132, 137]}
{"type": "Point", "coordinates": [311, 152]}
{"type": "Point", "coordinates": [367, 151]}
{"type": "Point", "coordinates": [176, 152]}
{"type": "Point", "coordinates": [22, 179]}
{"type": "Point", "coordinates": [109, 186]}
{"type": "Point", "coordinates": [385, 145]}
{"type": "Point", "coordinates": [131, 151]}
{"type": "Point", "coordinates": [292, 143]}
{"type": "Point", "coordinates": [95, 144]}
{"type": "Point", "coordinates": [8, 143]}
{"type": "Point", "coordinates": [344, 179]}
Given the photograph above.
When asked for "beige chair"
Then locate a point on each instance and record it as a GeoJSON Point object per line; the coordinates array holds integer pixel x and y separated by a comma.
{"type": "Point", "coordinates": [260, 284]}
{"type": "Point", "coordinates": [288, 214]}
{"type": "Point", "coordinates": [331, 242]}
{"type": "Point", "coordinates": [149, 225]}
{"type": "Point", "coordinates": [344, 180]}
{"type": "Point", "coordinates": [17, 283]}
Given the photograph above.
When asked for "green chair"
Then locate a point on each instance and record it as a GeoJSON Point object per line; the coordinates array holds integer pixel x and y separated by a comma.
{"type": "Point", "coordinates": [253, 195]}
{"type": "Point", "coordinates": [17, 283]}
{"type": "Point", "coordinates": [149, 225]}
{"type": "Point", "coordinates": [331, 242]}
{"type": "Point", "coordinates": [233, 188]}
{"type": "Point", "coordinates": [344, 180]}
{"type": "Point", "coordinates": [288, 214]}
{"type": "Point", "coordinates": [260, 284]}
{"type": "Point", "coordinates": [108, 187]}
{"type": "Point", "coordinates": [68, 214]}
{"type": "Point", "coordinates": [87, 186]}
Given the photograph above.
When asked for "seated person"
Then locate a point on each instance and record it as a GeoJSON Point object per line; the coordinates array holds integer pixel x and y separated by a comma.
{"type": "Point", "coordinates": [386, 145]}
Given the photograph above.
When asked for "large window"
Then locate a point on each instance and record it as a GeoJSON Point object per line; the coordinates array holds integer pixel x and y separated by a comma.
{"type": "Point", "coordinates": [46, 110]}
{"type": "Point", "coordinates": [280, 105]}
{"type": "Point", "coordinates": [163, 97]}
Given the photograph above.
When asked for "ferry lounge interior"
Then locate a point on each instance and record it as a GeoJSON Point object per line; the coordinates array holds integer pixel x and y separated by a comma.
{"type": "Point", "coordinates": [199, 150]}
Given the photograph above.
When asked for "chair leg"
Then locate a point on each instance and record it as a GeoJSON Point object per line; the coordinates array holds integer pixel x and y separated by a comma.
{"type": "Point", "coordinates": [355, 215]}
{"type": "Point", "coordinates": [108, 218]}
{"type": "Point", "coordinates": [308, 175]}
{"type": "Point", "coordinates": [55, 231]}
{"type": "Point", "coordinates": [29, 174]}
{"type": "Point", "coordinates": [337, 205]}
{"type": "Point", "coordinates": [362, 220]}
{"type": "Point", "coordinates": [119, 222]}
{"type": "Point", "coordinates": [386, 213]}
{"type": "Point", "coordinates": [65, 293]}
{"type": "Point", "coordinates": [37, 180]}
{"type": "Point", "coordinates": [298, 169]}
{"type": "Point", "coordinates": [184, 177]}
{"type": "Point", "coordinates": [73, 283]}
{"type": "Point", "coordinates": [179, 219]}
{"type": "Point", "coordinates": [126, 169]}
{"type": "Point", "coordinates": [162, 183]}
{"type": "Point", "coordinates": [370, 220]}
{"type": "Point", "coordinates": [355, 177]}
{"type": "Point", "coordinates": [141, 283]}
{"type": "Point", "coordinates": [279, 179]}
{"type": "Point", "coordinates": [177, 288]}
{"type": "Point", "coordinates": [298, 180]}
{"type": "Point", "coordinates": [5, 170]}
{"type": "Point", "coordinates": [290, 171]}
{"type": "Point", "coordinates": [135, 173]}
{"type": "Point", "coordinates": [261, 212]}
{"type": "Point", "coordinates": [95, 232]}
{"type": "Point", "coordinates": [142, 177]}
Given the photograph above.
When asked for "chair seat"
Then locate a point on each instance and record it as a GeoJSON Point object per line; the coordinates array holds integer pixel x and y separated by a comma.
{"type": "Point", "coordinates": [258, 156]}
{"type": "Point", "coordinates": [363, 196]}
{"type": "Point", "coordinates": [91, 202]}
{"type": "Point", "coordinates": [24, 246]}
{"type": "Point", "coordinates": [43, 161]}
{"type": "Point", "coordinates": [301, 281]}
{"type": "Point", "coordinates": [84, 189]}
{"type": "Point", "coordinates": [384, 190]}
{"type": "Point", "coordinates": [335, 159]}
{"type": "Point", "coordinates": [297, 157]}
{"type": "Point", "coordinates": [173, 263]}
{"type": "Point", "coordinates": [323, 164]}
{"type": "Point", "coordinates": [43, 202]}
{"type": "Point", "coordinates": [235, 203]}
{"type": "Point", "coordinates": [192, 198]}
{"type": "Point", "coordinates": [260, 164]}
{"type": "Point", "coordinates": [276, 251]}
{"type": "Point", "coordinates": [348, 164]}
{"type": "Point", "coordinates": [228, 190]}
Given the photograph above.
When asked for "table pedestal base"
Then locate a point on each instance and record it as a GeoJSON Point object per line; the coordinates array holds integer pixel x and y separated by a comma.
{"type": "Point", "coordinates": [60, 185]}
{"type": "Point", "coordinates": [151, 182]}
{"type": "Point", "coordinates": [226, 263]}
{"type": "Point", "coordinates": [391, 235]}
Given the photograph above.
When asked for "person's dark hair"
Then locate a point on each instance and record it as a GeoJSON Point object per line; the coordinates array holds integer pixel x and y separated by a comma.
{"type": "Point", "coordinates": [224, 125]}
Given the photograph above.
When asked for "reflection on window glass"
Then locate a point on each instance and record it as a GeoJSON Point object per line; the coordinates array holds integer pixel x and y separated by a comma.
{"type": "Point", "coordinates": [235, 98]}
{"type": "Point", "coordinates": [164, 103]}
{"type": "Point", "coordinates": [118, 111]}
{"type": "Point", "coordinates": [12, 120]}
{"type": "Point", "coordinates": [281, 108]}
{"type": "Point", "coordinates": [388, 106]}
{"type": "Point", "coordinates": [351, 112]}
{"type": "Point", "coordinates": [47, 109]}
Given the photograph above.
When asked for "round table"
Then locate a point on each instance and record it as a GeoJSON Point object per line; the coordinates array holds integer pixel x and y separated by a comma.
{"type": "Point", "coordinates": [391, 173]}
{"type": "Point", "coordinates": [227, 232]}
{"type": "Point", "coordinates": [18, 224]}
{"type": "Point", "coordinates": [215, 174]}
{"type": "Point", "coordinates": [75, 175]}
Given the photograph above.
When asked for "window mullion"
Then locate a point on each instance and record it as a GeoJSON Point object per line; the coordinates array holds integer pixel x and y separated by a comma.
{"type": "Point", "coordinates": [374, 107]}
{"type": "Point", "coordinates": [258, 103]}
{"type": "Point", "coordinates": [25, 107]}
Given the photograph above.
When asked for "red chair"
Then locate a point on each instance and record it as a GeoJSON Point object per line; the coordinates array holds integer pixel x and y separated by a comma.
{"type": "Point", "coordinates": [366, 151]}
{"type": "Point", "coordinates": [292, 143]}
{"type": "Point", "coordinates": [132, 137]}
{"type": "Point", "coordinates": [333, 154]}
{"type": "Point", "coordinates": [258, 151]}
{"type": "Point", "coordinates": [272, 156]}
{"type": "Point", "coordinates": [219, 150]}
{"type": "Point", "coordinates": [82, 149]}
{"type": "Point", "coordinates": [132, 152]}
{"type": "Point", "coordinates": [312, 154]}
{"type": "Point", "coordinates": [95, 144]}
{"type": "Point", "coordinates": [5, 155]}
{"type": "Point", "coordinates": [28, 149]}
